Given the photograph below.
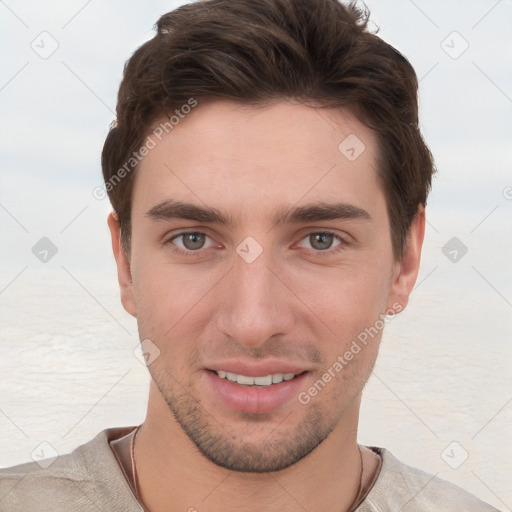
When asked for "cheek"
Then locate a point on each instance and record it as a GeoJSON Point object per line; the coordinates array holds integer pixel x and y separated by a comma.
{"type": "Point", "coordinates": [171, 302]}
{"type": "Point", "coordinates": [346, 299]}
{"type": "Point", "coordinates": [351, 329]}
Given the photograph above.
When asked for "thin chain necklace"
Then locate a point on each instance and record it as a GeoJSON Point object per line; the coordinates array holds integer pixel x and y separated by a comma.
{"type": "Point", "coordinates": [353, 507]}
{"type": "Point", "coordinates": [355, 504]}
{"type": "Point", "coordinates": [134, 467]}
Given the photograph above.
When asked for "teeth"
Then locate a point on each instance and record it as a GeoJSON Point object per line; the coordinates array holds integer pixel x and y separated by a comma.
{"type": "Point", "coordinates": [245, 380]}
{"type": "Point", "coordinates": [277, 378]}
{"type": "Point", "coordinates": [263, 381]}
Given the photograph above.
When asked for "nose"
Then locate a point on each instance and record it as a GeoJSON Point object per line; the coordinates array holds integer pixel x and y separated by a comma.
{"type": "Point", "coordinates": [256, 305]}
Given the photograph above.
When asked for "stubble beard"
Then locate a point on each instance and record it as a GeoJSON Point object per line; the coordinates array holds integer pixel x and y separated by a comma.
{"type": "Point", "coordinates": [228, 450]}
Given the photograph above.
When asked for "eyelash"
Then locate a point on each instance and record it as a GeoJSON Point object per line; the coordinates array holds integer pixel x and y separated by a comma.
{"type": "Point", "coordinates": [328, 252]}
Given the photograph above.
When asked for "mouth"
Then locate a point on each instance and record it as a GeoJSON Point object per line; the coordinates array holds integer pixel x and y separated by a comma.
{"type": "Point", "coordinates": [258, 394]}
{"type": "Point", "coordinates": [256, 382]}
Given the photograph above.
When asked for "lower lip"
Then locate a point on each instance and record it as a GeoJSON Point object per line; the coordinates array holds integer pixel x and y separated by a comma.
{"type": "Point", "coordinates": [251, 399]}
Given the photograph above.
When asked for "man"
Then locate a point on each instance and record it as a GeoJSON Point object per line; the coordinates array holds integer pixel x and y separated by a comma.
{"type": "Point", "coordinates": [268, 180]}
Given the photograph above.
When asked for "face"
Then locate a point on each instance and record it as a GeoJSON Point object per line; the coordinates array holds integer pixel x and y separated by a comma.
{"type": "Point", "coordinates": [259, 253]}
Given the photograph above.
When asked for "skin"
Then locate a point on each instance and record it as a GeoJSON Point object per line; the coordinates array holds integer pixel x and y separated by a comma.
{"type": "Point", "coordinates": [296, 303]}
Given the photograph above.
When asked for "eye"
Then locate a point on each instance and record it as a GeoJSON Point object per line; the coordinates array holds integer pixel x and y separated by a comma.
{"type": "Point", "coordinates": [322, 241]}
{"type": "Point", "coordinates": [190, 242]}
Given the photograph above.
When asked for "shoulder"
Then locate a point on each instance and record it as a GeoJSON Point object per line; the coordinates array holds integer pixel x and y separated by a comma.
{"type": "Point", "coordinates": [405, 488]}
{"type": "Point", "coordinates": [81, 480]}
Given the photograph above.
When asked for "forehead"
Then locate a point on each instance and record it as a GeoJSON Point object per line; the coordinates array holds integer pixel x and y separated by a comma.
{"type": "Point", "coordinates": [240, 159]}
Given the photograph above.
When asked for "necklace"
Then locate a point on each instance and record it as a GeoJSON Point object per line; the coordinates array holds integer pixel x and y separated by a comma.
{"type": "Point", "coordinates": [355, 504]}
{"type": "Point", "coordinates": [134, 465]}
{"type": "Point", "coordinates": [352, 508]}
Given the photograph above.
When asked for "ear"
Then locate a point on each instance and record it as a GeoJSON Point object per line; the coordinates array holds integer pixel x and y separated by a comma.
{"type": "Point", "coordinates": [124, 275]}
{"type": "Point", "coordinates": [406, 271]}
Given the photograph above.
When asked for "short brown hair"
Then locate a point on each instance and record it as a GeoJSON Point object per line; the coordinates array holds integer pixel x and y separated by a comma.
{"type": "Point", "coordinates": [258, 51]}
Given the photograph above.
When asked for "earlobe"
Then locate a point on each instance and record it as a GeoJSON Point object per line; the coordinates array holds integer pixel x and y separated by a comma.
{"type": "Point", "coordinates": [124, 275]}
{"type": "Point", "coordinates": [406, 272]}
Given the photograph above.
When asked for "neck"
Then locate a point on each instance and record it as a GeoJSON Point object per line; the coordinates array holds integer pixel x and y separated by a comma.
{"type": "Point", "coordinates": [171, 471]}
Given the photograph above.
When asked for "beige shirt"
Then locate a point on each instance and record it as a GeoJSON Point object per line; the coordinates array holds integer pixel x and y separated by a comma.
{"type": "Point", "coordinates": [90, 479]}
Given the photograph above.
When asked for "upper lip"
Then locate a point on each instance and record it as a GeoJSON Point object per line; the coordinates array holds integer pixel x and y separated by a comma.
{"type": "Point", "coordinates": [256, 368]}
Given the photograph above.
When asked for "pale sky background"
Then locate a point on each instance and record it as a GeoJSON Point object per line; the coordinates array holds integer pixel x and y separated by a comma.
{"type": "Point", "coordinates": [55, 114]}
{"type": "Point", "coordinates": [61, 108]}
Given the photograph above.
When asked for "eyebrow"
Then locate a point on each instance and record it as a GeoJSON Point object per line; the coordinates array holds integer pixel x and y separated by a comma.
{"type": "Point", "coordinates": [321, 211]}
{"type": "Point", "coordinates": [173, 209]}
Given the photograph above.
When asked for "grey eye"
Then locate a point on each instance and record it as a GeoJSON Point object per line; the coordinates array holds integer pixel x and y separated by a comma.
{"type": "Point", "coordinates": [321, 241]}
{"type": "Point", "coordinates": [193, 241]}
